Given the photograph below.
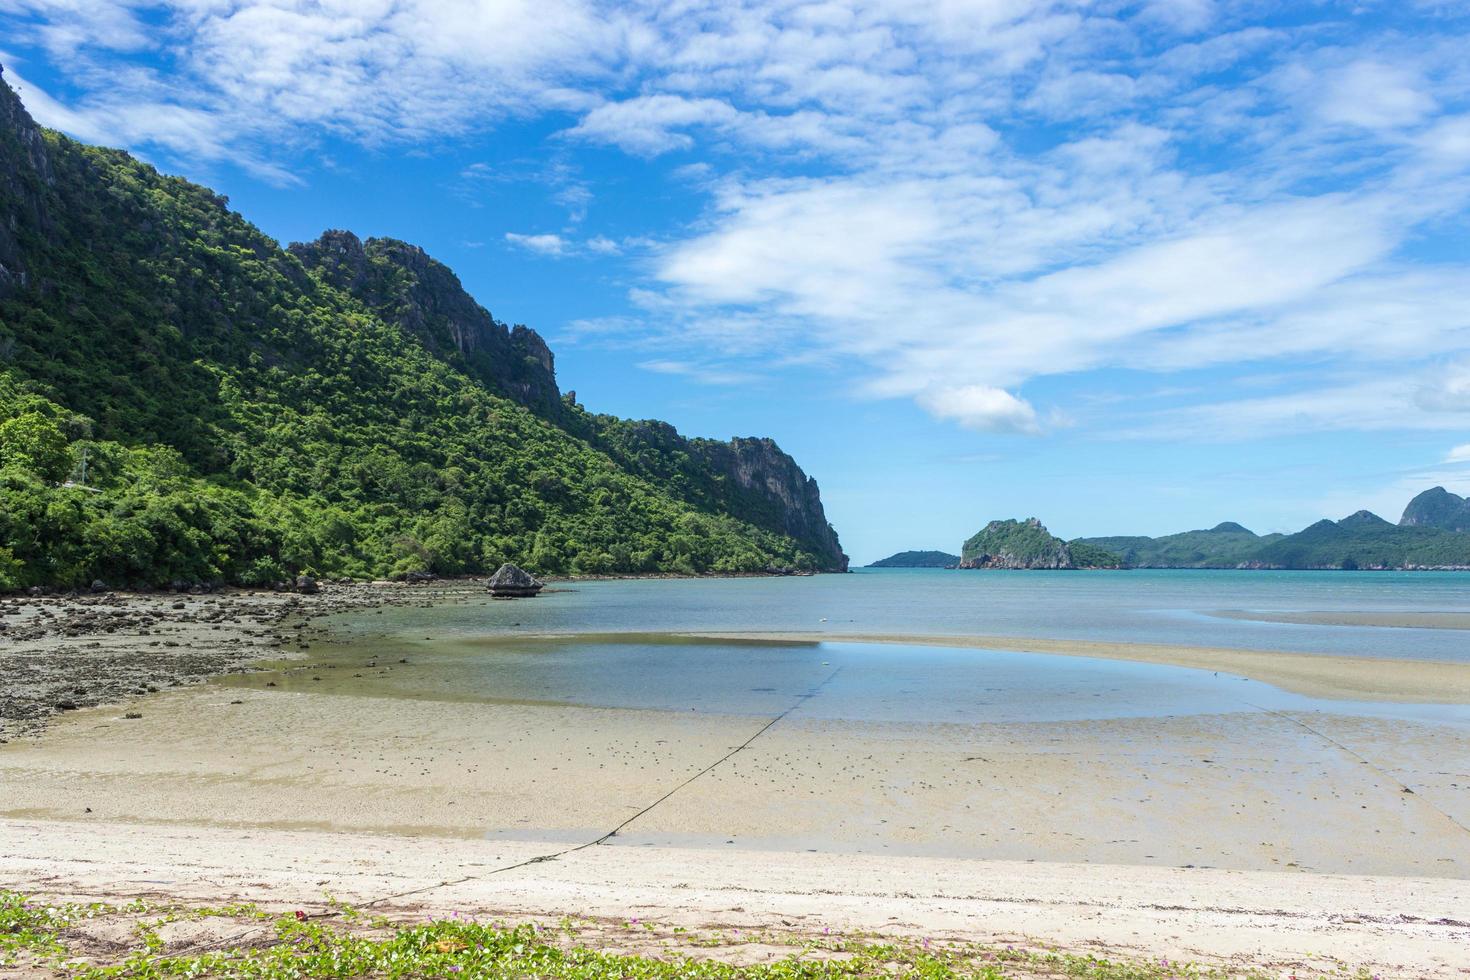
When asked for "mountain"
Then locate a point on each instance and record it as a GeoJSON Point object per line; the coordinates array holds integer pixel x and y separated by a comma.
{"type": "Point", "coordinates": [1222, 546]}
{"type": "Point", "coordinates": [1362, 540]}
{"type": "Point", "coordinates": [1028, 544]}
{"type": "Point", "coordinates": [245, 413]}
{"type": "Point", "coordinates": [1437, 507]}
{"type": "Point", "coordinates": [918, 559]}
{"type": "Point", "coordinates": [1366, 541]}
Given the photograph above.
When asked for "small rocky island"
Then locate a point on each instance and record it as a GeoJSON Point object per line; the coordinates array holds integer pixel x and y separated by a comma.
{"type": "Point", "coordinates": [513, 582]}
{"type": "Point", "coordinates": [1027, 545]}
{"type": "Point", "coordinates": [918, 559]}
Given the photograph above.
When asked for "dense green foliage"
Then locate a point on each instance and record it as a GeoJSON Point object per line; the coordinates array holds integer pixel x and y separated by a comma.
{"type": "Point", "coordinates": [1365, 541]}
{"type": "Point", "coordinates": [918, 559]}
{"type": "Point", "coordinates": [1223, 546]}
{"type": "Point", "coordinates": [1028, 544]}
{"type": "Point", "coordinates": [245, 420]}
{"type": "Point", "coordinates": [1361, 541]}
{"type": "Point", "coordinates": [1085, 555]}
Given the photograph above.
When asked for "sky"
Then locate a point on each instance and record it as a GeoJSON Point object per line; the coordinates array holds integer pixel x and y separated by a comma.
{"type": "Point", "coordinates": [1129, 267]}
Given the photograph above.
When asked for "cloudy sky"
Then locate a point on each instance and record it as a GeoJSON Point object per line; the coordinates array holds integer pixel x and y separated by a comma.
{"type": "Point", "coordinates": [1132, 267]}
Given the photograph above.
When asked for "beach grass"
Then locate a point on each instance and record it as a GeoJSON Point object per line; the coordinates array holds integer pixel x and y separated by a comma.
{"type": "Point", "coordinates": [39, 939]}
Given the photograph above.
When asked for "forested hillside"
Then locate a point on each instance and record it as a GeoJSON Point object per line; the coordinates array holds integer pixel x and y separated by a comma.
{"type": "Point", "coordinates": [1359, 541]}
{"type": "Point", "coordinates": [246, 413]}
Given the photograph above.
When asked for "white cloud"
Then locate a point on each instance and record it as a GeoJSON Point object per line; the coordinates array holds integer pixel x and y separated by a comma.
{"type": "Point", "coordinates": [1458, 454]}
{"type": "Point", "coordinates": [553, 245]}
{"type": "Point", "coordinates": [982, 408]}
{"type": "Point", "coordinates": [1446, 389]}
{"type": "Point", "coordinates": [647, 125]}
{"type": "Point", "coordinates": [1367, 405]}
{"type": "Point", "coordinates": [949, 198]}
{"type": "Point", "coordinates": [704, 373]}
{"type": "Point", "coordinates": [603, 245]}
{"type": "Point", "coordinates": [1374, 95]}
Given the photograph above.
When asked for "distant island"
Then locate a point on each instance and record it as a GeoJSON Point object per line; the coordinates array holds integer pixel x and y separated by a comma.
{"type": "Point", "coordinates": [1433, 533]}
{"type": "Point", "coordinates": [1028, 544]}
{"type": "Point", "coordinates": [918, 559]}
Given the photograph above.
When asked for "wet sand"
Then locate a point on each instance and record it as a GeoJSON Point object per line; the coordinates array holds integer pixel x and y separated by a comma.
{"type": "Point", "coordinates": [1245, 790]}
{"type": "Point", "coordinates": [1388, 620]}
{"type": "Point", "coordinates": [1311, 674]}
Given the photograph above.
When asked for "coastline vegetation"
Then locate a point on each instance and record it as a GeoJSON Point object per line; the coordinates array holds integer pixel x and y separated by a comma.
{"type": "Point", "coordinates": [44, 939]}
{"type": "Point", "coordinates": [184, 401]}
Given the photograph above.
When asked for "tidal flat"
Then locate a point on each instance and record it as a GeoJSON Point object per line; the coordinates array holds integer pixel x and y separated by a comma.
{"type": "Point", "coordinates": [520, 753]}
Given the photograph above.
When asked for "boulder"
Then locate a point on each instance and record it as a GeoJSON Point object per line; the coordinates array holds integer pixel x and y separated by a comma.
{"type": "Point", "coordinates": [513, 582]}
{"type": "Point", "coordinates": [306, 585]}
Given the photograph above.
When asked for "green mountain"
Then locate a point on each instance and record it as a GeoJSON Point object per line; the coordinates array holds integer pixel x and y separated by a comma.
{"type": "Point", "coordinates": [1437, 507]}
{"type": "Point", "coordinates": [918, 559]}
{"type": "Point", "coordinates": [244, 413]}
{"type": "Point", "coordinates": [1359, 541]}
{"type": "Point", "coordinates": [1366, 541]}
{"type": "Point", "coordinates": [1028, 544]}
{"type": "Point", "coordinates": [1222, 546]}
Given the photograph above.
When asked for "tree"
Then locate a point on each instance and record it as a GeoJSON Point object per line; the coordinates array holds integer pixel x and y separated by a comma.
{"type": "Point", "coordinates": [34, 442]}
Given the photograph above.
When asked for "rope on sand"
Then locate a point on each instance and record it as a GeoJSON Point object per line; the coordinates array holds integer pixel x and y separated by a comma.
{"type": "Point", "coordinates": [542, 858]}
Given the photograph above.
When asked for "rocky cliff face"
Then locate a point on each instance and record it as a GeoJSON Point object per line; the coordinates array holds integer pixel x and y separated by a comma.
{"type": "Point", "coordinates": [25, 172]}
{"type": "Point", "coordinates": [1437, 507]}
{"type": "Point", "coordinates": [759, 467]}
{"type": "Point", "coordinates": [751, 479]}
{"type": "Point", "coordinates": [748, 478]}
{"type": "Point", "coordinates": [404, 285]}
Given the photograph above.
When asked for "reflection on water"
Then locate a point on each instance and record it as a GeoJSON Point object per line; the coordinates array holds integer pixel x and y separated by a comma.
{"type": "Point", "coordinates": [1169, 607]}
{"type": "Point", "coordinates": [830, 681]}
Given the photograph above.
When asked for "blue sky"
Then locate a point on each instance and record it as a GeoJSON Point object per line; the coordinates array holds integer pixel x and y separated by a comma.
{"type": "Point", "coordinates": [1129, 267]}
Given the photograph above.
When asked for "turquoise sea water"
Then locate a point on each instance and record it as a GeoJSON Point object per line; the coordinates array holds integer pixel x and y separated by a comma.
{"type": "Point", "coordinates": [1169, 607]}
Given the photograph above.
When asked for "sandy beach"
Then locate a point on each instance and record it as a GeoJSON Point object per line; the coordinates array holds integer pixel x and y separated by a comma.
{"type": "Point", "coordinates": [761, 905]}
{"type": "Point", "coordinates": [1329, 832]}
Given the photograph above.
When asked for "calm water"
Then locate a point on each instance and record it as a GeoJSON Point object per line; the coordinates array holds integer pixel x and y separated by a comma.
{"type": "Point", "coordinates": [863, 682]}
{"type": "Point", "coordinates": [616, 656]}
{"type": "Point", "coordinates": [1171, 607]}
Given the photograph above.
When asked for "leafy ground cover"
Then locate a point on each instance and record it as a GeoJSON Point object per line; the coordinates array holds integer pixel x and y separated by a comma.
{"type": "Point", "coordinates": [138, 940]}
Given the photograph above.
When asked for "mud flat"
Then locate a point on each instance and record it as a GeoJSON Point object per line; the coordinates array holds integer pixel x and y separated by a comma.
{"type": "Point", "coordinates": [59, 653]}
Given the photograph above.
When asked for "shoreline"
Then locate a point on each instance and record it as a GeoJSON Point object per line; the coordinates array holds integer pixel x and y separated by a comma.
{"type": "Point", "coordinates": [1268, 921]}
{"type": "Point", "coordinates": [66, 652]}
{"type": "Point", "coordinates": [218, 794]}
{"type": "Point", "coordinates": [1314, 675]}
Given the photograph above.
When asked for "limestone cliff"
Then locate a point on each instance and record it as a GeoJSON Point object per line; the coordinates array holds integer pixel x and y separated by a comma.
{"type": "Point", "coordinates": [25, 171]}
{"type": "Point", "coordinates": [751, 479]}
{"type": "Point", "coordinates": [1437, 507]}
{"type": "Point", "coordinates": [403, 284]}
